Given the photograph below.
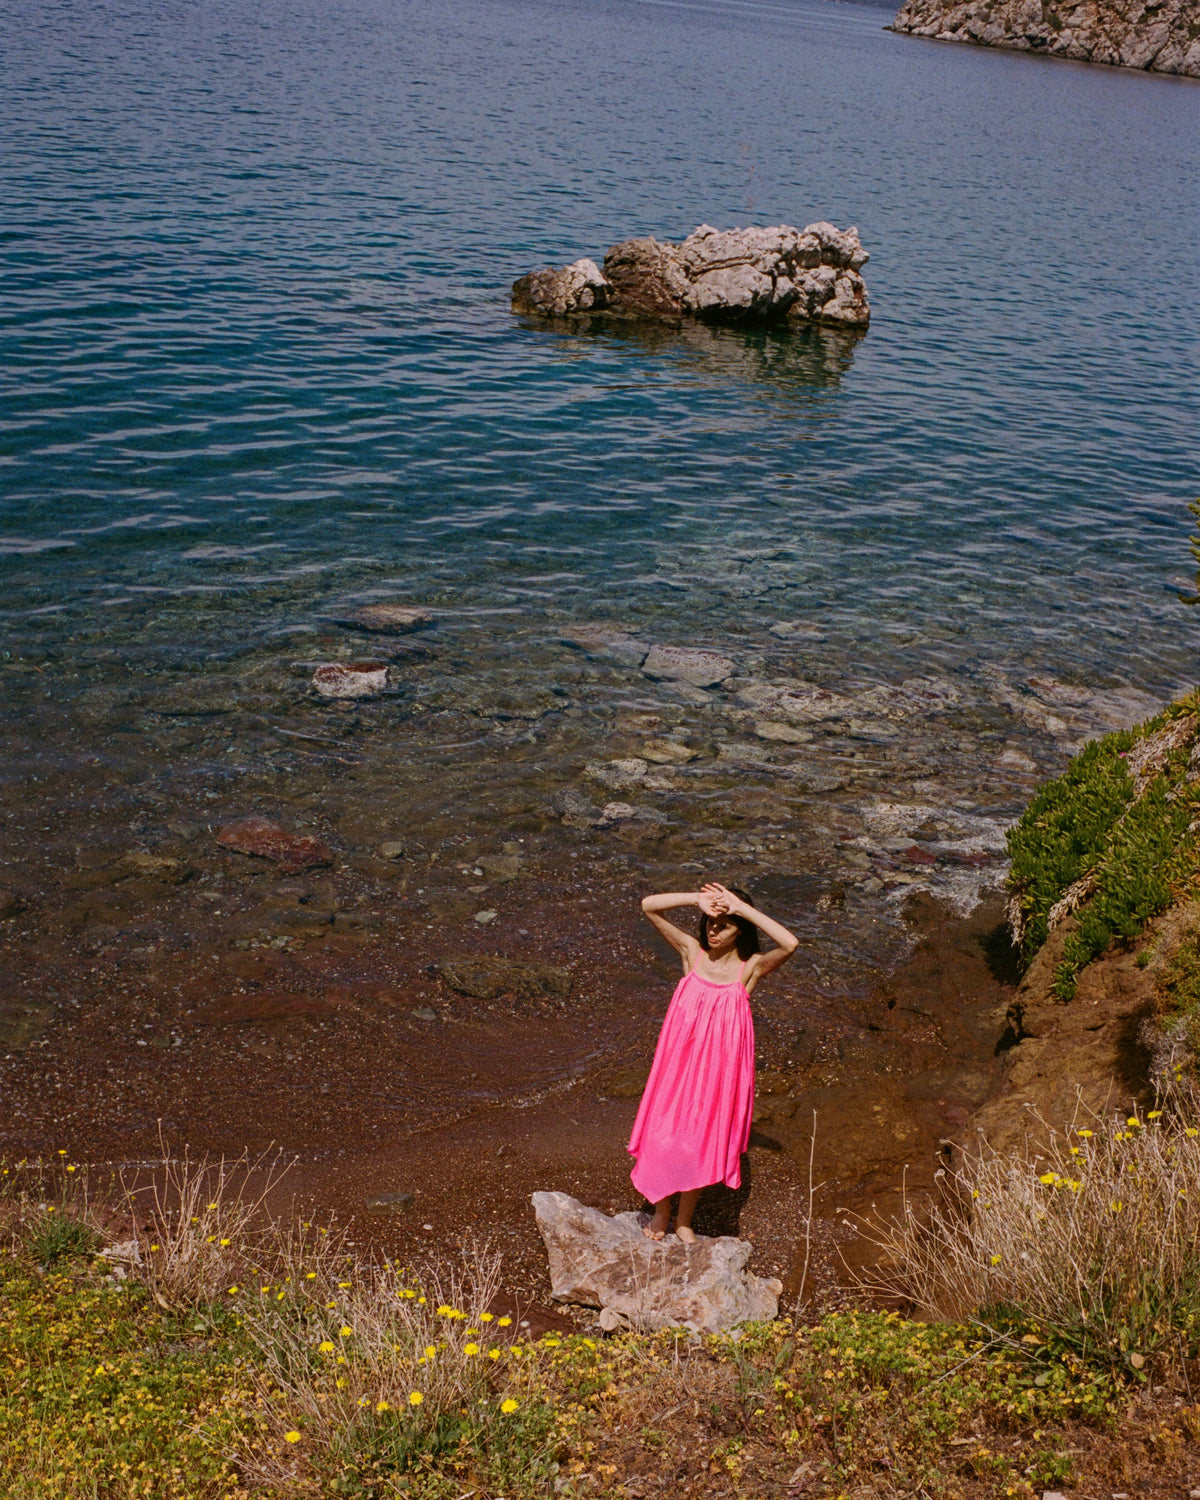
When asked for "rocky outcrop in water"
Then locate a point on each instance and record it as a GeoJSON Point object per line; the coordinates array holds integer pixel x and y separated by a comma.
{"type": "Point", "coordinates": [778, 275]}
{"type": "Point", "coordinates": [1164, 38]}
{"type": "Point", "coordinates": [609, 1264]}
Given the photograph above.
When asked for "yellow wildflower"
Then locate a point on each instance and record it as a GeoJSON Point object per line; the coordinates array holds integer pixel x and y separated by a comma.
{"type": "Point", "coordinates": [292, 1437]}
{"type": "Point", "coordinates": [415, 1398]}
{"type": "Point", "coordinates": [509, 1406]}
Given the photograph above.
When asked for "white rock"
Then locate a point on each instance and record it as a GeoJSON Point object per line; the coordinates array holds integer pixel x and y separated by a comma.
{"type": "Point", "coordinates": [127, 1251]}
{"type": "Point", "coordinates": [609, 1264]}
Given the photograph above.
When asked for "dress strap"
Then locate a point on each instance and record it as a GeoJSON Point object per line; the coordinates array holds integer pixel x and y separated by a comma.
{"type": "Point", "coordinates": [741, 972]}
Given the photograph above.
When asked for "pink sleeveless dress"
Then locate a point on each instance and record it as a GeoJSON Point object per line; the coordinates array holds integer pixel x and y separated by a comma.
{"type": "Point", "coordinates": [694, 1119]}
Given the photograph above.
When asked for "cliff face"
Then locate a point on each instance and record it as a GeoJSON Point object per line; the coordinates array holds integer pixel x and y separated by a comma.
{"type": "Point", "coordinates": [1164, 38]}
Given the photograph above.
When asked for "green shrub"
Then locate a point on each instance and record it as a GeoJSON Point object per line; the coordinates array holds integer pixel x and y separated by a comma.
{"type": "Point", "coordinates": [54, 1236]}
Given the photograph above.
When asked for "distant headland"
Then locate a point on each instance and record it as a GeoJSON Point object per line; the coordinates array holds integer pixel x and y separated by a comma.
{"type": "Point", "coordinates": [1160, 38]}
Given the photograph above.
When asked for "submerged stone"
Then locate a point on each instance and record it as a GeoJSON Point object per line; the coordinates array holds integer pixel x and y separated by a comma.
{"type": "Point", "coordinates": [486, 978]}
{"type": "Point", "coordinates": [266, 840]}
{"type": "Point", "coordinates": [684, 664]}
{"type": "Point", "coordinates": [359, 679]}
{"type": "Point", "coordinates": [391, 619]}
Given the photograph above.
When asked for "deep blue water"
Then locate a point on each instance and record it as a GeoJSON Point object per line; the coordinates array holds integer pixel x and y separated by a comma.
{"type": "Point", "coordinates": [256, 356]}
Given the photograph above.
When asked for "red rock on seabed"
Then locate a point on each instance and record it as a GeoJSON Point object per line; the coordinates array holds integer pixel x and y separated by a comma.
{"type": "Point", "coordinates": [261, 837]}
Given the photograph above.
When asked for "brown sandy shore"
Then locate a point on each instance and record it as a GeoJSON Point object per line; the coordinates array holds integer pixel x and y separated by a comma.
{"type": "Point", "coordinates": [342, 1046]}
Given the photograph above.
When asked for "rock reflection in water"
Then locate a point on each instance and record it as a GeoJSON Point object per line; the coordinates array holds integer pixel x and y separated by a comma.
{"type": "Point", "coordinates": [799, 363]}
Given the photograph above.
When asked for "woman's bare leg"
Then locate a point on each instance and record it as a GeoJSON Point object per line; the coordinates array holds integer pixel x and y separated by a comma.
{"type": "Point", "coordinates": [683, 1219]}
{"type": "Point", "coordinates": [657, 1226]}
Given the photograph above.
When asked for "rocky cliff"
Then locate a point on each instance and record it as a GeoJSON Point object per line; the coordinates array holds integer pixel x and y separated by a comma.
{"type": "Point", "coordinates": [1164, 38]}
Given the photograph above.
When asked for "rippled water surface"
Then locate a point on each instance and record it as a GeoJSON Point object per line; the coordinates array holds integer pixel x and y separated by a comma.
{"type": "Point", "coordinates": [257, 367]}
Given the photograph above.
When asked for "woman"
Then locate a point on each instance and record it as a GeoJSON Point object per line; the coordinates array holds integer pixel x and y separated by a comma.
{"type": "Point", "coordinates": [694, 1119]}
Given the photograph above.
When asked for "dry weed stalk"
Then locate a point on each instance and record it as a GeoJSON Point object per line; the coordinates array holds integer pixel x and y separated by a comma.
{"type": "Point", "coordinates": [209, 1222]}
{"type": "Point", "coordinates": [1093, 1235]}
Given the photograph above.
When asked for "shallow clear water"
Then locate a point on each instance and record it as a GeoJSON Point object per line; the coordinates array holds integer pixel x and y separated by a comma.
{"type": "Point", "coordinates": [257, 363]}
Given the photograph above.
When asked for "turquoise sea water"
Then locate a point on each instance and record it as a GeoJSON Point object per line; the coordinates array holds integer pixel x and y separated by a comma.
{"type": "Point", "coordinates": [257, 364]}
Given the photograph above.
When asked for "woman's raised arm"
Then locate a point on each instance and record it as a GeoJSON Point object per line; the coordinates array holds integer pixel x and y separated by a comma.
{"type": "Point", "coordinates": [683, 942]}
{"type": "Point", "coordinates": [785, 942]}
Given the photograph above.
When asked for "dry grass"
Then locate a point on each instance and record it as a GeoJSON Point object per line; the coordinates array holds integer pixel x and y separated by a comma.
{"type": "Point", "coordinates": [1091, 1235]}
{"type": "Point", "coordinates": [373, 1378]}
{"type": "Point", "coordinates": [208, 1224]}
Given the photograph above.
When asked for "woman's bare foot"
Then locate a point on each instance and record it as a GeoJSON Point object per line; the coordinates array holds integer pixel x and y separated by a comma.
{"type": "Point", "coordinates": [657, 1226]}
{"type": "Point", "coordinates": [685, 1233]}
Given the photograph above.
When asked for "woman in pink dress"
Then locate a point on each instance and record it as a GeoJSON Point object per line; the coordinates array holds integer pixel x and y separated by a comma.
{"type": "Point", "coordinates": [694, 1119]}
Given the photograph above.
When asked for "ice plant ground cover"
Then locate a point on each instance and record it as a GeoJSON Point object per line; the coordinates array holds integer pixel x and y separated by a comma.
{"type": "Point", "coordinates": [314, 1373]}
{"type": "Point", "coordinates": [1114, 840]}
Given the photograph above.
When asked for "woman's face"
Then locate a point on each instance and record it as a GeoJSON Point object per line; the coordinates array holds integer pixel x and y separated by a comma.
{"type": "Point", "coordinates": [722, 932]}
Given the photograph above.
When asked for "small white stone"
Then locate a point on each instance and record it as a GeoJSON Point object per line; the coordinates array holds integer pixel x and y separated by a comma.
{"type": "Point", "coordinates": [484, 917]}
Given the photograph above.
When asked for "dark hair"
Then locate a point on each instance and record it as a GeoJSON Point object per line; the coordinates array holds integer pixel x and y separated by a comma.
{"type": "Point", "coordinates": [748, 941]}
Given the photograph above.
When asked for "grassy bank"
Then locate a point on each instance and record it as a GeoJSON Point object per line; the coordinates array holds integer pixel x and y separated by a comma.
{"type": "Point", "coordinates": [273, 1361]}
{"type": "Point", "coordinates": [1112, 842]}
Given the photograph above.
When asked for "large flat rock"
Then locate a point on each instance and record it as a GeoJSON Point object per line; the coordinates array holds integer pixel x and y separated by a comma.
{"type": "Point", "coordinates": [608, 1263]}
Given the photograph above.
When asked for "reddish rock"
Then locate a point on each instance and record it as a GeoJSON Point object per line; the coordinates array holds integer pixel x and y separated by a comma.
{"type": "Point", "coordinates": [261, 837]}
{"type": "Point", "coordinates": [918, 856]}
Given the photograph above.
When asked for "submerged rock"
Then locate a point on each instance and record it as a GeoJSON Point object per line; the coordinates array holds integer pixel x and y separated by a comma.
{"type": "Point", "coordinates": [605, 643]}
{"type": "Point", "coordinates": [685, 664]}
{"type": "Point", "coordinates": [608, 1263]}
{"type": "Point", "coordinates": [357, 679]}
{"type": "Point", "coordinates": [484, 978]}
{"type": "Point", "coordinates": [22, 1021]}
{"type": "Point", "coordinates": [776, 275]}
{"type": "Point", "coordinates": [391, 619]}
{"type": "Point", "coordinates": [266, 840]}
